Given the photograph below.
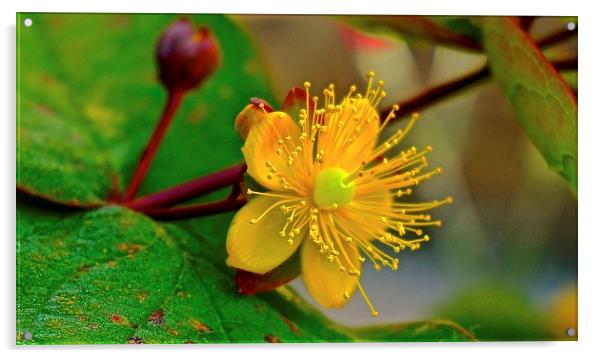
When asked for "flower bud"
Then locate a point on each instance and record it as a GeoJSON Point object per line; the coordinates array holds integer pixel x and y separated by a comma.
{"type": "Point", "coordinates": [186, 56]}
{"type": "Point", "coordinates": [250, 115]}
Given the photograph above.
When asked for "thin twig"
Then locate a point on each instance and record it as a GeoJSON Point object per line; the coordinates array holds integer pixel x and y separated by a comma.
{"type": "Point", "coordinates": [173, 101]}
{"type": "Point", "coordinates": [556, 37]}
{"type": "Point", "coordinates": [193, 211]}
{"type": "Point", "coordinates": [434, 94]}
{"type": "Point", "coordinates": [235, 200]}
{"type": "Point", "coordinates": [565, 64]}
{"type": "Point", "coordinates": [421, 26]}
{"type": "Point", "coordinates": [526, 22]}
{"type": "Point", "coordinates": [191, 189]}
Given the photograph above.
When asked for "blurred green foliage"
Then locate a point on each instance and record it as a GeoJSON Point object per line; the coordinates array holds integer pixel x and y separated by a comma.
{"type": "Point", "coordinates": [495, 313]}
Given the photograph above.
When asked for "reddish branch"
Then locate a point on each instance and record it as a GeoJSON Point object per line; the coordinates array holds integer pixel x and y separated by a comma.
{"type": "Point", "coordinates": [525, 22]}
{"type": "Point", "coordinates": [556, 37]}
{"type": "Point", "coordinates": [434, 94]}
{"type": "Point", "coordinates": [235, 200]}
{"type": "Point", "coordinates": [191, 189]}
{"type": "Point", "coordinates": [173, 101]}
{"type": "Point", "coordinates": [193, 211]}
{"type": "Point", "coordinates": [421, 26]}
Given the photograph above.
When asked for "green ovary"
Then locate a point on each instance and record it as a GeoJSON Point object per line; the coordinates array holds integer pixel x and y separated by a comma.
{"type": "Point", "coordinates": [332, 190]}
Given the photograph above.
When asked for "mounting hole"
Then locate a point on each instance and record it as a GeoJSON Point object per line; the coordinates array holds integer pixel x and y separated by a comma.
{"type": "Point", "coordinates": [570, 332]}
{"type": "Point", "coordinates": [27, 336]}
{"type": "Point", "coordinates": [28, 22]}
{"type": "Point", "coordinates": [571, 26]}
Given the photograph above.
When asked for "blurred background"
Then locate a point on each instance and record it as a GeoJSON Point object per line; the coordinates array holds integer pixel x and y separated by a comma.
{"type": "Point", "coordinates": [504, 264]}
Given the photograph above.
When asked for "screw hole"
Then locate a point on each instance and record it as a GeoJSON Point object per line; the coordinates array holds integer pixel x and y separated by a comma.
{"type": "Point", "coordinates": [28, 22]}
{"type": "Point", "coordinates": [570, 332]}
{"type": "Point", "coordinates": [571, 26]}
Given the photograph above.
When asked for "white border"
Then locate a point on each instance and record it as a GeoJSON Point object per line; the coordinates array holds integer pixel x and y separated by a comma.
{"type": "Point", "coordinates": [590, 247]}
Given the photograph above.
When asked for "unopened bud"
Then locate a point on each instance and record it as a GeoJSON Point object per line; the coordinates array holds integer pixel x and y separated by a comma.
{"type": "Point", "coordinates": [186, 56]}
{"type": "Point", "coordinates": [250, 115]}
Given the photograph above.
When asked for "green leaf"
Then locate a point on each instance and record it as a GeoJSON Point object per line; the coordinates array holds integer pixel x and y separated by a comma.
{"type": "Point", "coordinates": [111, 275]}
{"type": "Point", "coordinates": [58, 156]}
{"type": "Point", "coordinates": [544, 104]}
{"type": "Point", "coordinates": [84, 119]}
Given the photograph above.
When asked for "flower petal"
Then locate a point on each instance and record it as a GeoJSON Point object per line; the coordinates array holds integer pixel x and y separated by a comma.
{"type": "Point", "coordinates": [262, 144]}
{"type": "Point", "coordinates": [258, 247]}
{"type": "Point", "coordinates": [351, 136]}
{"type": "Point", "coordinates": [324, 280]}
{"type": "Point", "coordinates": [294, 101]}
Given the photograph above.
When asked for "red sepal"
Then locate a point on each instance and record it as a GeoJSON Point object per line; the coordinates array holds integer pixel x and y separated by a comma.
{"type": "Point", "coordinates": [250, 283]}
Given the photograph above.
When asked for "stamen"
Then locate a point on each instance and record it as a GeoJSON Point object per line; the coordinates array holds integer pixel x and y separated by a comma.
{"type": "Point", "coordinates": [272, 207]}
{"type": "Point", "coordinates": [373, 311]}
{"type": "Point", "coordinates": [369, 86]}
{"type": "Point", "coordinates": [262, 106]}
{"type": "Point", "coordinates": [270, 194]}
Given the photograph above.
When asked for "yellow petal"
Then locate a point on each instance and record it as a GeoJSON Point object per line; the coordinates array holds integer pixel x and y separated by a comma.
{"type": "Point", "coordinates": [346, 145]}
{"type": "Point", "coordinates": [324, 280]}
{"type": "Point", "coordinates": [262, 144]}
{"type": "Point", "coordinates": [258, 247]}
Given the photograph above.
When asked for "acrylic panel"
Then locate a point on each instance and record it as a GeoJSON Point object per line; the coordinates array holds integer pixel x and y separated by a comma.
{"type": "Point", "coordinates": [281, 179]}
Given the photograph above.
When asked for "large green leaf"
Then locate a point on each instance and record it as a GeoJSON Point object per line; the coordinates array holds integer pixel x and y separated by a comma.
{"type": "Point", "coordinates": [111, 275]}
{"type": "Point", "coordinates": [544, 104]}
{"type": "Point", "coordinates": [89, 100]}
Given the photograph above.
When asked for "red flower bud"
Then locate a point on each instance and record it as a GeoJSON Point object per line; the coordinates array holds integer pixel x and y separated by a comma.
{"type": "Point", "coordinates": [186, 56]}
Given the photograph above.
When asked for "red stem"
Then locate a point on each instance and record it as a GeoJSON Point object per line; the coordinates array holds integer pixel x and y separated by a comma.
{"type": "Point", "coordinates": [193, 211]}
{"type": "Point", "coordinates": [234, 201]}
{"type": "Point", "coordinates": [436, 93]}
{"type": "Point", "coordinates": [556, 37]}
{"type": "Point", "coordinates": [173, 101]}
{"type": "Point", "coordinates": [189, 189]}
{"type": "Point", "coordinates": [526, 22]}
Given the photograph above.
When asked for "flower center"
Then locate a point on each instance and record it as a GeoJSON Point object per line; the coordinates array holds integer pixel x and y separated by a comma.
{"type": "Point", "coordinates": [332, 189]}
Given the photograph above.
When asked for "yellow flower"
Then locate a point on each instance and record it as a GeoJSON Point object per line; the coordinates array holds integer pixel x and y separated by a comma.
{"type": "Point", "coordinates": [332, 193]}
